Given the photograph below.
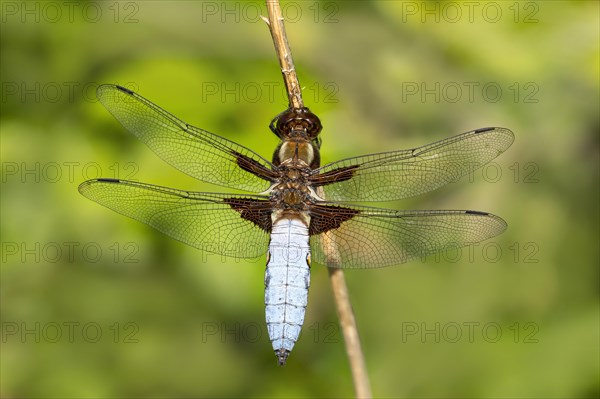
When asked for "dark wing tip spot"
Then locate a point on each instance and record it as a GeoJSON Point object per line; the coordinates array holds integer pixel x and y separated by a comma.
{"type": "Point", "coordinates": [124, 89]}
{"type": "Point", "coordinates": [477, 213]}
{"type": "Point", "coordinates": [484, 129]}
{"type": "Point", "coordinates": [108, 180]}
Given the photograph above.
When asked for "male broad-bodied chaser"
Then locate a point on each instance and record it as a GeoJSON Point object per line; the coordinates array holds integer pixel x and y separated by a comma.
{"type": "Point", "coordinates": [301, 213]}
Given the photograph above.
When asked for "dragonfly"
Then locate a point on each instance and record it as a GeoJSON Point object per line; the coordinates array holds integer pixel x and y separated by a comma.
{"type": "Point", "coordinates": [295, 210]}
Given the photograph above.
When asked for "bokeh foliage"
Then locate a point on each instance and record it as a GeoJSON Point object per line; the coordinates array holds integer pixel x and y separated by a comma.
{"type": "Point", "coordinates": [175, 322]}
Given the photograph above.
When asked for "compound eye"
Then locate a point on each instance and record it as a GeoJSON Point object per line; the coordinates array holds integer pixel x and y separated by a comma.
{"type": "Point", "coordinates": [314, 125]}
{"type": "Point", "coordinates": [284, 122]}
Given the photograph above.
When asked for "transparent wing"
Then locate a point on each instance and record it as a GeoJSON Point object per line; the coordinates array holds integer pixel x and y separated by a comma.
{"type": "Point", "coordinates": [373, 237]}
{"type": "Point", "coordinates": [210, 222]}
{"type": "Point", "coordinates": [394, 175]}
{"type": "Point", "coordinates": [194, 151]}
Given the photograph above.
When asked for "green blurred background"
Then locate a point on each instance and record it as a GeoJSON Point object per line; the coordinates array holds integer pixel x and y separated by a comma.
{"type": "Point", "coordinates": [98, 305]}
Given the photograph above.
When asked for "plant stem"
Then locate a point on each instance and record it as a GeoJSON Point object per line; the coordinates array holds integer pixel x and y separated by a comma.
{"type": "Point", "coordinates": [282, 48]}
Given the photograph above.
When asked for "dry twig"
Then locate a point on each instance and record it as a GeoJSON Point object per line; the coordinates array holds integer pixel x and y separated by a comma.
{"type": "Point", "coordinates": [282, 48]}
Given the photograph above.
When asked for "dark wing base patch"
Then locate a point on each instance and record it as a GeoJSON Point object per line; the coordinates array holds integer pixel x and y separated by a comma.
{"type": "Point", "coordinates": [326, 217]}
{"type": "Point", "coordinates": [255, 211]}
{"type": "Point", "coordinates": [334, 176]}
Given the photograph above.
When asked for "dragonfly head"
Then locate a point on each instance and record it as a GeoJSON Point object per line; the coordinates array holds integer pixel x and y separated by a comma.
{"type": "Point", "coordinates": [297, 122]}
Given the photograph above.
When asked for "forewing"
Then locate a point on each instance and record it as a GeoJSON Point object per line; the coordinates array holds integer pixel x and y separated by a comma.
{"type": "Point", "coordinates": [194, 151]}
{"type": "Point", "coordinates": [210, 222]}
{"type": "Point", "coordinates": [365, 237]}
{"type": "Point", "coordinates": [394, 175]}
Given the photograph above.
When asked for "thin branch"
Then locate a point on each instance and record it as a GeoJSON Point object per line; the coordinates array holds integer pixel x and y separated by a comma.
{"type": "Point", "coordinates": [362, 387]}
{"type": "Point", "coordinates": [282, 48]}
{"type": "Point", "coordinates": [341, 296]}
